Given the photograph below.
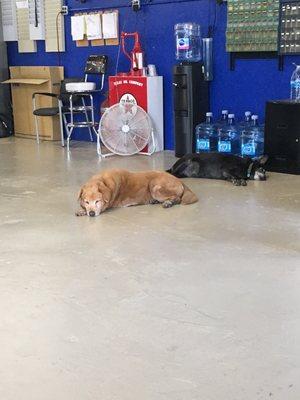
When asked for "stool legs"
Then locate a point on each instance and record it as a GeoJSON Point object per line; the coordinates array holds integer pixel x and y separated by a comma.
{"type": "Point", "coordinates": [87, 120]}
{"type": "Point", "coordinates": [60, 105]}
{"type": "Point", "coordinates": [37, 134]}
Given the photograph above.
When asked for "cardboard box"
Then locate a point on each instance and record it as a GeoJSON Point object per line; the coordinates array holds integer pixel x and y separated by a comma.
{"type": "Point", "coordinates": [24, 82]}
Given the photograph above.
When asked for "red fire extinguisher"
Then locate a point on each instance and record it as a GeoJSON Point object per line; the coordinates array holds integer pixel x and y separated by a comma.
{"type": "Point", "coordinates": [137, 55]}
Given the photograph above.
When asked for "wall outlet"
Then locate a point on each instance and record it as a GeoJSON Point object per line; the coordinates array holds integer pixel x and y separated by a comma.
{"type": "Point", "coordinates": [65, 10]}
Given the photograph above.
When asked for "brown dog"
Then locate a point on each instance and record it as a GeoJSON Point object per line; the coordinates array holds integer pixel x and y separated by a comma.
{"type": "Point", "coordinates": [121, 188]}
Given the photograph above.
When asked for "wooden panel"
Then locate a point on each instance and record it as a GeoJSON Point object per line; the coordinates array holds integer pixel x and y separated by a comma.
{"type": "Point", "coordinates": [22, 100]}
{"type": "Point", "coordinates": [98, 42]}
{"type": "Point", "coordinates": [27, 81]}
{"type": "Point", "coordinates": [35, 72]}
{"type": "Point", "coordinates": [82, 43]}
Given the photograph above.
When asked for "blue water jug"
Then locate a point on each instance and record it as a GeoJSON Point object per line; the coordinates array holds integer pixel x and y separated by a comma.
{"type": "Point", "coordinates": [295, 84]}
{"type": "Point", "coordinates": [252, 140]}
{"type": "Point", "coordinates": [246, 123]}
{"type": "Point", "coordinates": [188, 41]}
{"type": "Point", "coordinates": [257, 131]}
{"type": "Point", "coordinates": [224, 118]}
{"type": "Point", "coordinates": [248, 146]}
{"type": "Point", "coordinates": [228, 140]}
{"type": "Point", "coordinates": [206, 135]}
{"type": "Point", "coordinates": [246, 139]}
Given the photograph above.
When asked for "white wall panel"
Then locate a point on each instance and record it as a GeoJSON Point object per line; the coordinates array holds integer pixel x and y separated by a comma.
{"type": "Point", "coordinates": [9, 20]}
{"type": "Point", "coordinates": [37, 19]}
{"type": "Point", "coordinates": [52, 8]}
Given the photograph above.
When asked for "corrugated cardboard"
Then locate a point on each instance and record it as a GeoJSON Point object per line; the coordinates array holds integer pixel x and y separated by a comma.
{"type": "Point", "coordinates": [27, 81]}
{"type": "Point", "coordinates": [24, 82]}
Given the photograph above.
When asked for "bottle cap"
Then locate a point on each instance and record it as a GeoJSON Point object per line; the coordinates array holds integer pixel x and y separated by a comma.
{"type": "Point", "coordinates": [247, 113]}
{"type": "Point", "coordinates": [231, 116]}
{"type": "Point", "coordinates": [254, 117]}
{"type": "Point", "coordinates": [224, 112]}
{"type": "Point", "coordinates": [209, 114]}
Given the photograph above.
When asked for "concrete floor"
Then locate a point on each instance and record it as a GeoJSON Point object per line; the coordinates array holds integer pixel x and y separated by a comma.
{"type": "Point", "coordinates": [195, 302]}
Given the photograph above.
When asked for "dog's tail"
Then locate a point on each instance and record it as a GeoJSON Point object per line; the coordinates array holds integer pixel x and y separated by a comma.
{"type": "Point", "coordinates": [188, 196]}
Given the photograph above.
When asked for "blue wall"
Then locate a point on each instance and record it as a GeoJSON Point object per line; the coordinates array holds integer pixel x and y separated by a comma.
{"type": "Point", "coordinates": [247, 88]}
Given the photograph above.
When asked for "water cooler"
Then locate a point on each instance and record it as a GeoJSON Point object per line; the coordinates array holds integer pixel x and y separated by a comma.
{"type": "Point", "coordinates": [190, 84]}
{"type": "Point", "coordinates": [190, 102]}
{"type": "Point", "coordinates": [282, 136]}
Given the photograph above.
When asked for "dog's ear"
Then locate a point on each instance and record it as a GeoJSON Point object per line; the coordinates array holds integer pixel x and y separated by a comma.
{"type": "Point", "coordinates": [263, 159]}
{"type": "Point", "coordinates": [104, 190]}
{"type": "Point", "coordinates": [80, 194]}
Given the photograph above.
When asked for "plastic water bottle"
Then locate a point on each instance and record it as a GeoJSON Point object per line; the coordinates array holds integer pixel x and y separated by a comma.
{"type": "Point", "coordinates": [252, 140]}
{"type": "Point", "coordinates": [245, 125]}
{"type": "Point", "coordinates": [248, 145]}
{"type": "Point", "coordinates": [221, 124]}
{"type": "Point", "coordinates": [295, 84]}
{"type": "Point", "coordinates": [228, 140]}
{"type": "Point", "coordinates": [188, 41]}
{"type": "Point", "coordinates": [224, 118]}
{"type": "Point", "coordinates": [257, 132]}
{"type": "Point", "coordinates": [244, 128]}
{"type": "Point", "coordinates": [205, 134]}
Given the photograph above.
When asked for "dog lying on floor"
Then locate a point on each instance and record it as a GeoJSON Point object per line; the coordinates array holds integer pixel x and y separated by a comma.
{"type": "Point", "coordinates": [121, 188]}
{"type": "Point", "coordinates": [220, 166]}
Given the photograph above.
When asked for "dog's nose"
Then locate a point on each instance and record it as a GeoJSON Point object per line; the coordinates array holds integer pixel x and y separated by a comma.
{"type": "Point", "coordinates": [92, 213]}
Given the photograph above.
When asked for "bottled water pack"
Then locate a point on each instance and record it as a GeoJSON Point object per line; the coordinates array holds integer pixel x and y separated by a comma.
{"type": "Point", "coordinates": [245, 139]}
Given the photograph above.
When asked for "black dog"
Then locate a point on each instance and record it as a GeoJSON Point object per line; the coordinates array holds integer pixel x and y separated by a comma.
{"type": "Point", "coordinates": [220, 166]}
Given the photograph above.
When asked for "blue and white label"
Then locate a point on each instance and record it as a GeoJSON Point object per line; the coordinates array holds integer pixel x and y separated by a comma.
{"type": "Point", "coordinates": [203, 145]}
{"type": "Point", "coordinates": [248, 149]}
{"type": "Point", "coordinates": [224, 146]}
{"type": "Point", "coordinates": [183, 44]}
{"type": "Point", "coordinates": [296, 84]}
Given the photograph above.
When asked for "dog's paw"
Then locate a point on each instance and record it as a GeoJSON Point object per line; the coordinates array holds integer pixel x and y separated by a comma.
{"type": "Point", "coordinates": [168, 204]}
{"type": "Point", "coordinates": [153, 201]}
{"type": "Point", "coordinates": [243, 182]}
{"type": "Point", "coordinates": [236, 182]}
{"type": "Point", "coordinates": [80, 213]}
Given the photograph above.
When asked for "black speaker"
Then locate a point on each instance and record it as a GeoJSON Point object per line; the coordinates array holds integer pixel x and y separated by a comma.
{"type": "Point", "coordinates": [282, 136]}
{"type": "Point", "coordinates": [191, 102]}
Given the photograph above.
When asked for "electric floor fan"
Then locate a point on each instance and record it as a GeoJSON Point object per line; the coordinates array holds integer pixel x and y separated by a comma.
{"type": "Point", "coordinates": [126, 130]}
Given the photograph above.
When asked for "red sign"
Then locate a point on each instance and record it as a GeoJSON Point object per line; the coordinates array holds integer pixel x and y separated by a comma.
{"type": "Point", "coordinates": [135, 87]}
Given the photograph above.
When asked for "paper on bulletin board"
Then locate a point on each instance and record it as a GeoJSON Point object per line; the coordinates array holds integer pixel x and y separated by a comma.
{"type": "Point", "coordinates": [52, 9]}
{"type": "Point", "coordinates": [37, 19]}
{"type": "Point", "coordinates": [9, 20]}
{"type": "Point", "coordinates": [94, 30]}
{"type": "Point", "coordinates": [93, 26]}
{"type": "Point", "coordinates": [22, 4]}
{"type": "Point", "coordinates": [25, 44]}
{"type": "Point", "coordinates": [78, 27]}
{"type": "Point", "coordinates": [110, 23]}
{"type": "Point", "coordinates": [78, 30]}
{"type": "Point", "coordinates": [110, 28]}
